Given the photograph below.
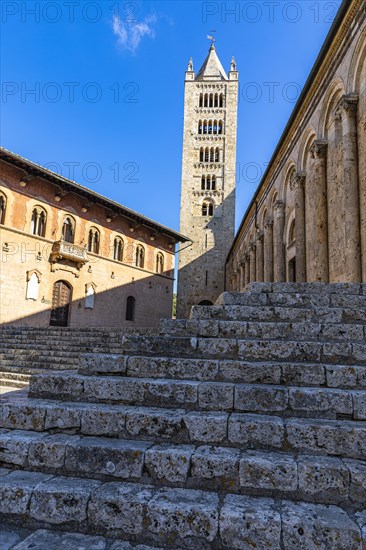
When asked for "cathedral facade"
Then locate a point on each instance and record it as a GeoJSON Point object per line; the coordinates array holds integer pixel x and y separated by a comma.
{"type": "Point", "coordinates": [207, 211]}
{"type": "Point", "coordinates": [307, 219]}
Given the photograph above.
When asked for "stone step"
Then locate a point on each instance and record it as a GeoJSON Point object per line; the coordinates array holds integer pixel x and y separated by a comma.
{"type": "Point", "coordinates": [307, 299]}
{"type": "Point", "coordinates": [338, 438]}
{"type": "Point", "coordinates": [211, 370]}
{"type": "Point", "coordinates": [248, 350]}
{"type": "Point", "coordinates": [14, 380]}
{"type": "Point", "coordinates": [273, 314]}
{"type": "Point", "coordinates": [18, 538]}
{"type": "Point", "coordinates": [175, 517]}
{"type": "Point", "coordinates": [280, 475]}
{"type": "Point", "coordinates": [252, 330]}
{"type": "Point", "coordinates": [197, 395]}
{"type": "Point", "coordinates": [305, 288]}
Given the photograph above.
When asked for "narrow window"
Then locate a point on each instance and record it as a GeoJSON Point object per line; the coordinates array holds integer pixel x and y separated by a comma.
{"type": "Point", "coordinates": [216, 100]}
{"type": "Point", "coordinates": [38, 222]}
{"type": "Point", "coordinates": [118, 249]}
{"type": "Point", "coordinates": [201, 154]}
{"type": "Point", "coordinates": [159, 263]}
{"type": "Point", "coordinates": [200, 127]}
{"type": "Point", "coordinates": [93, 240]}
{"type": "Point", "coordinates": [140, 256]}
{"type": "Point", "coordinates": [210, 127]}
{"type": "Point", "coordinates": [205, 126]}
{"type": "Point", "coordinates": [206, 277]}
{"type": "Point", "coordinates": [211, 100]}
{"type": "Point", "coordinates": [201, 100]}
{"type": "Point", "coordinates": [130, 308]}
{"type": "Point", "coordinates": [221, 100]}
{"type": "Point", "coordinates": [203, 183]}
{"type": "Point", "coordinates": [2, 208]}
{"type": "Point", "coordinates": [68, 231]}
{"type": "Point", "coordinates": [217, 155]}
{"type": "Point", "coordinates": [213, 183]}
{"type": "Point", "coordinates": [206, 154]}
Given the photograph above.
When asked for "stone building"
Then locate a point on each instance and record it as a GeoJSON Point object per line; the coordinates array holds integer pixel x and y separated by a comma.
{"type": "Point", "coordinates": [71, 257]}
{"type": "Point", "coordinates": [207, 209]}
{"type": "Point", "coordinates": [307, 219]}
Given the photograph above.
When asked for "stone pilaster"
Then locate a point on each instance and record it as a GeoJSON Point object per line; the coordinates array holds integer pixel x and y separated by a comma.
{"type": "Point", "coordinates": [279, 271]}
{"type": "Point", "coordinates": [268, 250]}
{"type": "Point", "coordinates": [247, 269]}
{"type": "Point", "coordinates": [298, 186]}
{"type": "Point", "coordinates": [317, 232]}
{"type": "Point", "coordinates": [259, 258]}
{"type": "Point", "coordinates": [242, 281]}
{"type": "Point", "coordinates": [253, 262]}
{"type": "Point", "coordinates": [351, 190]}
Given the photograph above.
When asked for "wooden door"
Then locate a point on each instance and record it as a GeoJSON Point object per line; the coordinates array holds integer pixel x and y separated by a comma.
{"type": "Point", "coordinates": [61, 300]}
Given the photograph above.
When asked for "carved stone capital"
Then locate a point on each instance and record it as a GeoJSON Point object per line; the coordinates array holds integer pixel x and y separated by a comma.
{"type": "Point", "coordinates": [319, 149]}
{"type": "Point", "coordinates": [298, 181]}
{"type": "Point", "coordinates": [279, 207]}
{"type": "Point", "coordinates": [349, 105]}
{"type": "Point", "coordinates": [268, 223]}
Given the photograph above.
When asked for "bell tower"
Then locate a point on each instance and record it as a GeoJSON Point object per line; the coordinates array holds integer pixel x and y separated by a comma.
{"type": "Point", "coordinates": [207, 208]}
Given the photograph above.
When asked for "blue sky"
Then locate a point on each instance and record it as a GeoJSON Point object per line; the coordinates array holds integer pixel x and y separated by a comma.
{"type": "Point", "coordinates": [94, 90]}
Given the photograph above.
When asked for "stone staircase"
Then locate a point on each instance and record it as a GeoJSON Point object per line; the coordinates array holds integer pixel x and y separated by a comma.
{"type": "Point", "coordinates": [240, 428]}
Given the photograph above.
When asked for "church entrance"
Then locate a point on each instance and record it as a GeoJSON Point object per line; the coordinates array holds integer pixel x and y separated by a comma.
{"type": "Point", "coordinates": [61, 300]}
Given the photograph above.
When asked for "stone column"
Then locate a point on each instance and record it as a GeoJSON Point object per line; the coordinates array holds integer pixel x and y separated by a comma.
{"type": "Point", "coordinates": [253, 262]}
{"type": "Point", "coordinates": [242, 283]}
{"type": "Point", "coordinates": [259, 258]}
{"type": "Point", "coordinates": [268, 250]}
{"type": "Point", "coordinates": [351, 190]}
{"type": "Point", "coordinates": [318, 260]}
{"type": "Point", "coordinates": [247, 269]}
{"type": "Point", "coordinates": [279, 272]}
{"type": "Point", "coordinates": [298, 185]}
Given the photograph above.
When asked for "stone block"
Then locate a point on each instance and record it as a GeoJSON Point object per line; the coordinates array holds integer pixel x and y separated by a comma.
{"type": "Point", "coordinates": [318, 527]}
{"type": "Point", "coordinates": [120, 507]}
{"type": "Point", "coordinates": [270, 471]}
{"type": "Point", "coordinates": [261, 398]}
{"type": "Point", "coordinates": [107, 420]}
{"type": "Point", "coordinates": [323, 478]}
{"type": "Point", "coordinates": [64, 416]}
{"type": "Point", "coordinates": [22, 415]}
{"type": "Point", "coordinates": [168, 462]}
{"type": "Point", "coordinates": [155, 423]}
{"type": "Point", "coordinates": [359, 404]}
{"type": "Point", "coordinates": [277, 350]}
{"type": "Point", "coordinates": [206, 427]}
{"type": "Point", "coordinates": [14, 446]}
{"type": "Point", "coordinates": [341, 376]}
{"type": "Point", "coordinates": [219, 464]}
{"type": "Point", "coordinates": [111, 388]}
{"type": "Point", "coordinates": [16, 490]}
{"type": "Point", "coordinates": [172, 367]}
{"type": "Point", "coordinates": [250, 523]}
{"type": "Point", "coordinates": [58, 385]}
{"type": "Point", "coordinates": [62, 500]}
{"type": "Point", "coordinates": [321, 401]}
{"type": "Point", "coordinates": [256, 431]}
{"type": "Point", "coordinates": [97, 455]}
{"type": "Point", "coordinates": [184, 515]}
{"type": "Point", "coordinates": [357, 488]}
{"type": "Point", "coordinates": [250, 373]}
{"type": "Point", "coordinates": [162, 392]}
{"type": "Point", "coordinates": [49, 451]}
{"type": "Point", "coordinates": [294, 374]}
{"type": "Point", "coordinates": [216, 396]}
{"type": "Point", "coordinates": [102, 363]}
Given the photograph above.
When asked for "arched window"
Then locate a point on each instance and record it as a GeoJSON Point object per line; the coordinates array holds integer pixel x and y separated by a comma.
{"type": "Point", "coordinates": [201, 100]}
{"type": "Point", "coordinates": [2, 208]}
{"type": "Point", "coordinates": [202, 154]}
{"type": "Point", "coordinates": [140, 256]}
{"type": "Point", "coordinates": [200, 127]}
{"type": "Point", "coordinates": [217, 154]}
{"type": "Point", "coordinates": [203, 183]}
{"type": "Point", "coordinates": [216, 100]}
{"type": "Point", "coordinates": [210, 126]}
{"type": "Point", "coordinates": [207, 208]}
{"type": "Point", "coordinates": [130, 308]}
{"type": "Point", "coordinates": [206, 154]}
{"type": "Point", "coordinates": [118, 249]}
{"type": "Point", "coordinates": [206, 100]}
{"type": "Point", "coordinates": [38, 222]}
{"type": "Point", "coordinates": [215, 127]}
{"type": "Point", "coordinates": [221, 100]}
{"type": "Point", "coordinates": [68, 230]}
{"type": "Point", "coordinates": [93, 240]}
{"type": "Point", "coordinates": [212, 154]}
{"type": "Point", "coordinates": [211, 100]}
{"type": "Point", "coordinates": [205, 126]}
{"type": "Point", "coordinates": [213, 183]}
{"type": "Point", "coordinates": [220, 129]}
{"type": "Point", "coordinates": [159, 263]}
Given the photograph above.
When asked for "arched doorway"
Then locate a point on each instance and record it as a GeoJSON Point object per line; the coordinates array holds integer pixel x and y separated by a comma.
{"type": "Point", "coordinates": [61, 301]}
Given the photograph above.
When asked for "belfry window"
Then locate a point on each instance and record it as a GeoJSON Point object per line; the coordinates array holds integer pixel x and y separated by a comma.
{"type": "Point", "coordinates": [38, 222]}
{"type": "Point", "coordinates": [93, 240]}
{"type": "Point", "coordinates": [207, 208]}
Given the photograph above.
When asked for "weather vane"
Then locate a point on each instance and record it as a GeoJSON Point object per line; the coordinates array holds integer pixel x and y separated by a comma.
{"type": "Point", "coordinates": [211, 36]}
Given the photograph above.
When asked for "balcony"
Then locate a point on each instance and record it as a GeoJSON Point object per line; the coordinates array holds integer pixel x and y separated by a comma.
{"type": "Point", "coordinates": [63, 250]}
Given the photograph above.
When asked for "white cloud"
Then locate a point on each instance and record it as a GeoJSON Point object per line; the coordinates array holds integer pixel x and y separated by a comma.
{"type": "Point", "coordinates": [130, 33]}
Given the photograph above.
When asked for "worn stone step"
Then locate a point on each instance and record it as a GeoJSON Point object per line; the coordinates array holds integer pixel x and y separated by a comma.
{"type": "Point", "coordinates": [285, 298]}
{"type": "Point", "coordinates": [273, 313]}
{"type": "Point", "coordinates": [278, 373]}
{"type": "Point", "coordinates": [178, 518]}
{"type": "Point", "coordinates": [248, 350]}
{"type": "Point", "coordinates": [197, 395]}
{"type": "Point", "coordinates": [322, 332]}
{"type": "Point", "coordinates": [281, 475]}
{"type": "Point", "coordinates": [17, 538]}
{"type": "Point", "coordinates": [341, 438]}
{"type": "Point", "coordinates": [306, 288]}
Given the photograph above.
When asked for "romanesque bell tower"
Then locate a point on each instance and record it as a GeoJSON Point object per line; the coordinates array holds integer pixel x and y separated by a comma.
{"type": "Point", "coordinates": [207, 209]}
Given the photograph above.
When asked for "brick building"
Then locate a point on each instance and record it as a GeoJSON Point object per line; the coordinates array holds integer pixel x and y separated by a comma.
{"type": "Point", "coordinates": [71, 257]}
{"type": "Point", "coordinates": [307, 219]}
